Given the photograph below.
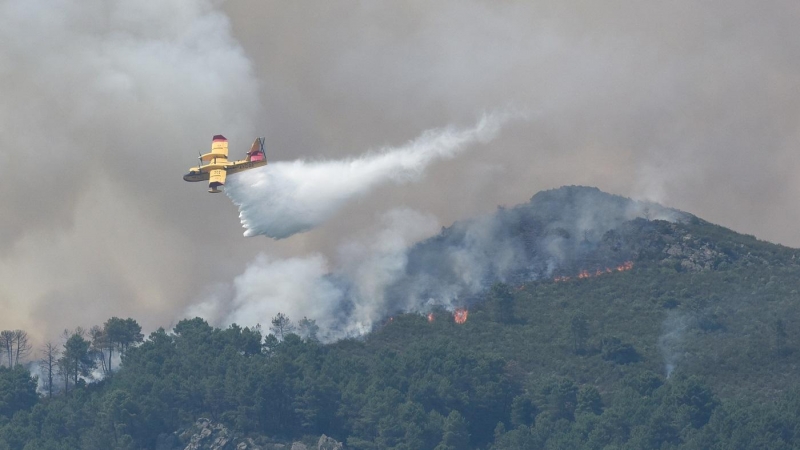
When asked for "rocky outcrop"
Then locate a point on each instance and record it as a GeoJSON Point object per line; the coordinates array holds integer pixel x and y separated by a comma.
{"type": "Point", "coordinates": [208, 435]}
{"type": "Point", "coordinates": [328, 443]}
{"type": "Point", "coordinates": [693, 255]}
{"type": "Point", "coordinates": [205, 435]}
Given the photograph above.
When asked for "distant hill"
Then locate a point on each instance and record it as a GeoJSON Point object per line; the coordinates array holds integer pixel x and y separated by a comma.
{"type": "Point", "coordinates": [606, 289]}
{"type": "Point", "coordinates": [588, 321]}
{"type": "Point", "coordinates": [698, 295]}
{"type": "Point", "coordinates": [560, 233]}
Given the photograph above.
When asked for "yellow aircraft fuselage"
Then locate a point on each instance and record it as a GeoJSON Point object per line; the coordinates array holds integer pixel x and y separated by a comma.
{"type": "Point", "coordinates": [218, 166]}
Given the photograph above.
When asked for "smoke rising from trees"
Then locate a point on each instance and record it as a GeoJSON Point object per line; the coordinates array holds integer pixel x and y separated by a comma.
{"type": "Point", "coordinates": [388, 270]}
{"type": "Point", "coordinates": [345, 297]}
{"type": "Point", "coordinates": [671, 343]}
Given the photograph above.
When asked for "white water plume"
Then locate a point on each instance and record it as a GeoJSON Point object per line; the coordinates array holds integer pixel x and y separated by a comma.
{"type": "Point", "coordinates": [290, 197]}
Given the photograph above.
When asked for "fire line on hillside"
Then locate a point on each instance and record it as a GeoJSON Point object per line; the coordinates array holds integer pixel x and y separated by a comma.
{"type": "Point", "coordinates": [627, 265]}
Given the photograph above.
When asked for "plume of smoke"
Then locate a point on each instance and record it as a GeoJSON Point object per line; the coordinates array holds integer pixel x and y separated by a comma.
{"type": "Point", "coordinates": [297, 287]}
{"type": "Point", "coordinates": [374, 264]}
{"type": "Point", "coordinates": [671, 341]}
{"type": "Point", "coordinates": [344, 302]}
{"type": "Point", "coordinates": [381, 273]}
{"type": "Point", "coordinates": [392, 270]}
{"type": "Point", "coordinates": [466, 261]}
{"type": "Point", "coordinates": [562, 229]}
{"type": "Point", "coordinates": [36, 371]}
{"type": "Point", "coordinates": [286, 198]}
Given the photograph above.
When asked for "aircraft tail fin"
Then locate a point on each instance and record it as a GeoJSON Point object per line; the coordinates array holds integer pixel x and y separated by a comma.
{"type": "Point", "coordinates": [219, 149]}
{"type": "Point", "coordinates": [256, 152]}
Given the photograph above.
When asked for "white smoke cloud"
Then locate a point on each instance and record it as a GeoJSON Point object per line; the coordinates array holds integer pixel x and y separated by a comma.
{"type": "Point", "coordinates": [461, 269]}
{"type": "Point", "coordinates": [374, 264]}
{"type": "Point", "coordinates": [297, 287]}
{"type": "Point", "coordinates": [672, 340]}
{"type": "Point", "coordinates": [345, 300]}
{"type": "Point", "coordinates": [286, 198]}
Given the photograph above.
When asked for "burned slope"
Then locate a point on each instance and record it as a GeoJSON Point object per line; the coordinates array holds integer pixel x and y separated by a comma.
{"type": "Point", "coordinates": [568, 233]}
{"type": "Point", "coordinates": [558, 232]}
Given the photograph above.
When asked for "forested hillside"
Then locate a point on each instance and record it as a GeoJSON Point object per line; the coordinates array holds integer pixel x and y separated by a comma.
{"type": "Point", "coordinates": [654, 329]}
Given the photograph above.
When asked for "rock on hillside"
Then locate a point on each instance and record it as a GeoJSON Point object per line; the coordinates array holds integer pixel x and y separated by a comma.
{"type": "Point", "coordinates": [208, 435]}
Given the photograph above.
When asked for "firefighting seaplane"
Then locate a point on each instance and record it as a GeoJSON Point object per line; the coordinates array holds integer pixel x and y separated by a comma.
{"type": "Point", "coordinates": [214, 165]}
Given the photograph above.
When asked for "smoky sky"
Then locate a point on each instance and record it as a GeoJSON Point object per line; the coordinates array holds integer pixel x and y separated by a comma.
{"type": "Point", "coordinates": [105, 104]}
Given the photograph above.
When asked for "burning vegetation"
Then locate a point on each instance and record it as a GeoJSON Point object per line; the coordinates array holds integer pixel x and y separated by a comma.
{"type": "Point", "coordinates": [583, 274]}
{"type": "Point", "coordinates": [460, 315]}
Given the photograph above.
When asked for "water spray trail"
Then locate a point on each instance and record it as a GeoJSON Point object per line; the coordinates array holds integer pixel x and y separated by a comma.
{"type": "Point", "coordinates": [286, 198]}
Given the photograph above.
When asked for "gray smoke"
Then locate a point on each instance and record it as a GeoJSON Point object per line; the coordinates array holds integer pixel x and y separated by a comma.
{"type": "Point", "coordinates": [671, 343]}
{"type": "Point", "coordinates": [345, 299]}
{"type": "Point", "coordinates": [397, 267]}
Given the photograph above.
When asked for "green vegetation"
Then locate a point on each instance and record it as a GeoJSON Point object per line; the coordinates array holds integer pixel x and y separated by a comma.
{"type": "Point", "coordinates": [582, 363]}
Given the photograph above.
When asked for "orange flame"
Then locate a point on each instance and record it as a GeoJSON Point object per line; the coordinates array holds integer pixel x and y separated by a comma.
{"type": "Point", "coordinates": [627, 265]}
{"type": "Point", "coordinates": [460, 315]}
{"type": "Point", "coordinates": [430, 317]}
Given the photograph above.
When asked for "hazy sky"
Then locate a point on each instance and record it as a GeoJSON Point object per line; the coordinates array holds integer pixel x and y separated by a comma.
{"type": "Point", "coordinates": [104, 105]}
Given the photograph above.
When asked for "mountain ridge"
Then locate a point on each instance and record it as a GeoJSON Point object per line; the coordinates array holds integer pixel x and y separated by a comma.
{"type": "Point", "coordinates": [692, 344]}
{"type": "Point", "coordinates": [559, 232]}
